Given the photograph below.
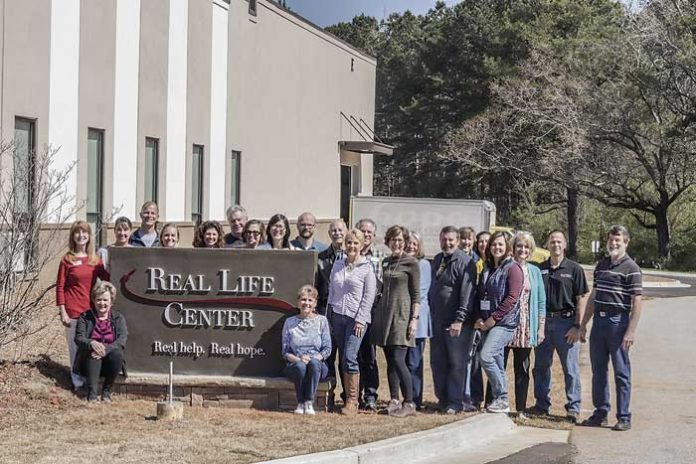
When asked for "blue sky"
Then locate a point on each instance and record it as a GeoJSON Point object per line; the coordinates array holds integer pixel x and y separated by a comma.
{"type": "Point", "coordinates": [327, 12]}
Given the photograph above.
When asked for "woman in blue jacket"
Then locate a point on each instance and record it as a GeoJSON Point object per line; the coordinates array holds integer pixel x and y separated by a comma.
{"type": "Point", "coordinates": [530, 331]}
{"type": "Point", "coordinates": [424, 331]}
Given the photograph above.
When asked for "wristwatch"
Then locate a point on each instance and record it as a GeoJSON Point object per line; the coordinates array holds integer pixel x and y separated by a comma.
{"type": "Point", "coordinates": [576, 325]}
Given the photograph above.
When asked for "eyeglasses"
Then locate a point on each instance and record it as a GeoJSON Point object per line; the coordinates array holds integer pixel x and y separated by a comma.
{"type": "Point", "coordinates": [253, 232]}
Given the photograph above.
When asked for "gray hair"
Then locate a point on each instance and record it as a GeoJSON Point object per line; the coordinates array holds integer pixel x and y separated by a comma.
{"type": "Point", "coordinates": [367, 220]}
{"type": "Point", "coordinates": [236, 209]}
{"type": "Point", "coordinates": [103, 286]}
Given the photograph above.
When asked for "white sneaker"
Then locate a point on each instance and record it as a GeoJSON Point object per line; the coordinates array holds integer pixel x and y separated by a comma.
{"type": "Point", "coordinates": [499, 405]}
{"type": "Point", "coordinates": [300, 409]}
{"type": "Point", "coordinates": [309, 408]}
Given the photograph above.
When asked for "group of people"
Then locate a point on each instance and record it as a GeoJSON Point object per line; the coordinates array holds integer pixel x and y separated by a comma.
{"type": "Point", "coordinates": [478, 301]}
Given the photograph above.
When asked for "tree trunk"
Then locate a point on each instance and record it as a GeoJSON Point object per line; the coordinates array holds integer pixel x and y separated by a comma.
{"type": "Point", "coordinates": [663, 232]}
{"type": "Point", "coordinates": [572, 251]}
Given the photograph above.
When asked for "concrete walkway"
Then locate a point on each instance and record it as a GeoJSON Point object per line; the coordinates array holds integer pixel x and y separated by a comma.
{"type": "Point", "coordinates": [664, 393]}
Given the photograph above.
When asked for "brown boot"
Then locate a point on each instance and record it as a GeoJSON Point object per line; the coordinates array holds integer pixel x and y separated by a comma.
{"type": "Point", "coordinates": [351, 387]}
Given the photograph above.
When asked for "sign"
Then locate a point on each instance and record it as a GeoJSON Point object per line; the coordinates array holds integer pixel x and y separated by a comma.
{"type": "Point", "coordinates": [216, 311]}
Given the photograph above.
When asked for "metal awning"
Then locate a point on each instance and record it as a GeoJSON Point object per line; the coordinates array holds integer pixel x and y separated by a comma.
{"type": "Point", "coordinates": [376, 148]}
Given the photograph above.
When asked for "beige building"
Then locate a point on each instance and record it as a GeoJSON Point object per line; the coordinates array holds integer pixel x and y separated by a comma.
{"type": "Point", "coordinates": [196, 104]}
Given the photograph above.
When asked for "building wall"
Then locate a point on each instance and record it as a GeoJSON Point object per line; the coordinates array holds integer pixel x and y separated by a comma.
{"type": "Point", "coordinates": [288, 84]}
{"type": "Point", "coordinates": [26, 39]}
{"type": "Point", "coordinates": [271, 86]}
{"type": "Point", "coordinates": [97, 67]}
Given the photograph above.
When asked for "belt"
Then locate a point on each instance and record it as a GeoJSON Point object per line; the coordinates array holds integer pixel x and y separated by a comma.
{"type": "Point", "coordinates": [561, 314]}
{"type": "Point", "coordinates": [610, 313]}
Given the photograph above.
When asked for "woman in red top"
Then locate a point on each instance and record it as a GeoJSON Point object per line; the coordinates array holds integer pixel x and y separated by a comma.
{"type": "Point", "coordinates": [77, 273]}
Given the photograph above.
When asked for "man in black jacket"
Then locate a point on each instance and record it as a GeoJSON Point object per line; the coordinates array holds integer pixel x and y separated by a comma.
{"type": "Point", "coordinates": [451, 296]}
{"type": "Point", "coordinates": [325, 262]}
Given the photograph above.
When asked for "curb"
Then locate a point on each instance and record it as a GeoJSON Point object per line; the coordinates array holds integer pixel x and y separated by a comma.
{"type": "Point", "coordinates": [457, 436]}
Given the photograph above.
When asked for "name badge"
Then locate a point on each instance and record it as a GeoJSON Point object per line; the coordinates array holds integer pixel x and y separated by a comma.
{"type": "Point", "coordinates": [485, 305]}
{"type": "Point", "coordinates": [544, 271]}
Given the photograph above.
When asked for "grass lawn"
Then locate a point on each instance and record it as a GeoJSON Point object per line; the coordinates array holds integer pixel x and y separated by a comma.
{"type": "Point", "coordinates": [41, 421]}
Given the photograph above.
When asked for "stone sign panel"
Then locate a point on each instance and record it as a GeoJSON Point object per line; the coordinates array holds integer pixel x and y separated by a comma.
{"type": "Point", "coordinates": [217, 312]}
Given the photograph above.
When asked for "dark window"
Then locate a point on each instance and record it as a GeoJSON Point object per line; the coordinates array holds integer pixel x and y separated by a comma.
{"type": "Point", "coordinates": [252, 7]}
{"type": "Point", "coordinates": [346, 191]}
{"type": "Point", "coordinates": [151, 169]}
{"type": "Point", "coordinates": [24, 158]}
{"type": "Point", "coordinates": [235, 177]}
{"type": "Point", "coordinates": [22, 193]}
{"type": "Point", "coordinates": [95, 181]}
{"type": "Point", "coordinates": [197, 184]}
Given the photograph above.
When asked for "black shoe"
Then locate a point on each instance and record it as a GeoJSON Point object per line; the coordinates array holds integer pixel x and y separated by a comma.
{"type": "Point", "coordinates": [572, 417]}
{"type": "Point", "coordinates": [468, 407]}
{"type": "Point", "coordinates": [106, 395]}
{"type": "Point", "coordinates": [370, 405]}
{"type": "Point", "coordinates": [595, 421]}
{"type": "Point", "coordinates": [92, 398]}
{"type": "Point", "coordinates": [537, 411]}
{"type": "Point", "coordinates": [622, 425]}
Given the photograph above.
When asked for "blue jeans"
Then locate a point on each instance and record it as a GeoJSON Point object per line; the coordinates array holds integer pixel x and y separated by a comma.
{"type": "Point", "coordinates": [347, 342]}
{"type": "Point", "coordinates": [605, 343]}
{"type": "Point", "coordinates": [492, 357]}
{"type": "Point", "coordinates": [306, 378]}
{"type": "Point", "coordinates": [555, 331]}
{"type": "Point", "coordinates": [449, 359]}
{"type": "Point", "coordinates": [414, 361]}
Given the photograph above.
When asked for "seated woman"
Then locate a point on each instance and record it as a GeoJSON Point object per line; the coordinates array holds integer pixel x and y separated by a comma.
{"type": "Point", "coordinates": [122, 230]}
{"type": "Point", "coordinates": [209, 235]}
{"type": "Point", "coordinates": [279, 233]}
{"type": "Point", "coordinates": [306, 345]}
{"type": "Point", "coordinates": [169, 236]}
{"type": "Point", "coordinates": [100, 338]}
{"type": "Point", "coordinates": [254, 235]}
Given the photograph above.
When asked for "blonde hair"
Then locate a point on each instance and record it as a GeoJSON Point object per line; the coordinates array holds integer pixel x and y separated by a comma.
{"type": "Point", "coordinates": [355, 234]}
{"type": "Point", "coordinates": [101, 287]}
{"type": "Point", "coordinates": [420, 253]}
{"type": "Point", "coordinates": [526, 237]}
{"type": "Point", "coordinates": [70, 256]}
{"type": "Point", "coordinates": [307, 290]}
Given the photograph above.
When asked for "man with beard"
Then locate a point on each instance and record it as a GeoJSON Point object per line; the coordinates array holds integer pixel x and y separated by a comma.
{"type": "Point", "coordinates": [451, 296]}
{"type": "Point", "coordinates": [236, 216]}
{"type": "Point", "coordinates": [616, 304]}
{"type": "Point", "coordinates": [306, 224]}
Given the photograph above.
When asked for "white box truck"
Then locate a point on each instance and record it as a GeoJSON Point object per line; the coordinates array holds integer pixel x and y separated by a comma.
{"type": "Point", "coordinates": [424, 215]}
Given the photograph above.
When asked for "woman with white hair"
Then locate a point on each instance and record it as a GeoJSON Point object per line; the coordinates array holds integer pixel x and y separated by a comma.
{"type": "Point", "coordinates": [100, 338]}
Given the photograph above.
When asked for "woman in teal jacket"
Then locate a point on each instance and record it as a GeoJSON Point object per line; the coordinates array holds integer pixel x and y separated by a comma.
{"type": "Point", "coordinates": [530, 331]}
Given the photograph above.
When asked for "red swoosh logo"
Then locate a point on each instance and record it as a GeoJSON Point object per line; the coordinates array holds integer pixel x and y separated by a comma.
{"type": "Point", "coordinates": [268, 302]}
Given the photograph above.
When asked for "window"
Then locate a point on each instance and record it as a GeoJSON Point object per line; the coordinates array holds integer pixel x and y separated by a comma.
{"type": "Point", "coordinates": [23, 162]}
{"type": "Point", "coordinates": [252, 9]}
{"type": "Point", "coordinates": [197, 184]}
{"type": "Point", "coordinates": [95, 178]}
{"type": "Point", "coordinates": [151, 169]}
{"type": "Point", "coordinates": [23, 190]}
{"type": "Point", "coordinates": [234, 179]}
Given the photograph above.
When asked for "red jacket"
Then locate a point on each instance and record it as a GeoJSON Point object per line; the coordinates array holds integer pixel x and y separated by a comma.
{"type": "Point", "coordinates": [74, 284]}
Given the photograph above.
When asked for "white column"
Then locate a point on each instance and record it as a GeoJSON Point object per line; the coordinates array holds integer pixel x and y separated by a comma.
{"type": "Point", "coordinates": [218, 112]}
{"type": "Point", "coordinates": [175, 179]}
{"type": "Point", "coordinates": [126, 107]}
{"type": "Point", "coordinates": [64, 100]}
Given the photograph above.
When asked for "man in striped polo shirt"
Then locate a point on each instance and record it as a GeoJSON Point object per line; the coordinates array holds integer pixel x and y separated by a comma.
{"type": "Point", "coordinates": [616, 304]}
